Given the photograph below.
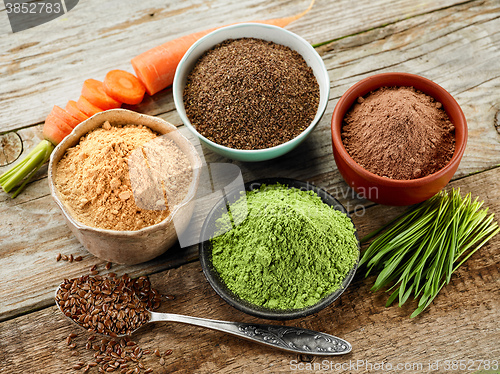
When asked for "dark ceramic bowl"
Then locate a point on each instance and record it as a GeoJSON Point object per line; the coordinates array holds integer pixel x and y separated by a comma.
{"type": "Point", "coordinates": [390, 191]}
{"type": "Point", "coordinates": [218, 284]}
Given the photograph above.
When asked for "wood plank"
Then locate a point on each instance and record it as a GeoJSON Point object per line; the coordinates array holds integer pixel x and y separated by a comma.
{"type": "Point", "coordinates": [47, 65]}
{"type": "Point", "coordinates": [27, 225]}
{"type": "Point", "coordinates": [461, 324]}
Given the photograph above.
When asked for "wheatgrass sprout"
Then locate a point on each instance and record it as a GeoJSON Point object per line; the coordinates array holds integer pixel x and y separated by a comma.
{"type": "Point", "coordinates": [417, 252]}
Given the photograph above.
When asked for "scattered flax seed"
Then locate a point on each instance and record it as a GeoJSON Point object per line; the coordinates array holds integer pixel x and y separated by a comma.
{"type": "Point", "coordinates": [78, 258]}
{"type": "Point", "coordinates": [64, 257]}
{"type": "Point", "coordinates": [108, 265]}
{"type": "Point", "coordinates": [70, 258]}
{"type": "Point", "coordinates": [89, 302]}
{"type": "Point", "coordinates": [251, 94]}
{"type": "Point", "coordinates": [58, 257]}
{"type": "Point", "coordinates": [168, 352]}
{"type": "Point", "coordinates": [94, 272]}
{"type": "Point", "coordinates": [93, 268]}
{"type": "Point", "coordinates": [70, 336]}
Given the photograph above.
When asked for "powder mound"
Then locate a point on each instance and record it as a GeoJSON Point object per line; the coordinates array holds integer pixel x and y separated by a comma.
{"type": "Point", "coordinates": [399, 133]}
{"type": "Point", "coordinates": [94, 182]}
{"type": "Point", "coordinates": [251, 94]}
{"type": "Point", "coordinates": [289, 251]}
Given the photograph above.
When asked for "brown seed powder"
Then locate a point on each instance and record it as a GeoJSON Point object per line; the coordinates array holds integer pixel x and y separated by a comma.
{"type": "Point", "coordinates": [93, 178]}
{"type": "Point", "coordinates": [251, 94]}
{"type": "Point", "coordinates": [399, 133]}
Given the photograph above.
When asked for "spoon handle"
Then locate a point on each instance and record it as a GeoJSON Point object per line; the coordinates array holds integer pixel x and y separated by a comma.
{"type": "Point", "coordinates": [292, 339]}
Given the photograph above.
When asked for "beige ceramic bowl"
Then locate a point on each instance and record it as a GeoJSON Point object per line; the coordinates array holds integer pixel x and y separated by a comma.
{"type": "Point", "coordinates": [129, 247]}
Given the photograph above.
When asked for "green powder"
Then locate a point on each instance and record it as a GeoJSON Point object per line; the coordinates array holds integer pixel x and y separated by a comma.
{"type": "Point", "coordinates": [288, 253]}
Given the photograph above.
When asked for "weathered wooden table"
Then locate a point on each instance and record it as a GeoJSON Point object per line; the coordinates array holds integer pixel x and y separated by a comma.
{"type": "Point", "coordinates": [455, 43]}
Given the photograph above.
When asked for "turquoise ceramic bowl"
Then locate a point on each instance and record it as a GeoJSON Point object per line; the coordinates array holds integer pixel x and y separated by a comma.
{"type": "Point", "coordinates": [261, 31]}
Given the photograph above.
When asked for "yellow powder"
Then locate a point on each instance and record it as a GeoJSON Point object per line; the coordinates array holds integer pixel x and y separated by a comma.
{"type": "Point", "coordinates": [93, 178]}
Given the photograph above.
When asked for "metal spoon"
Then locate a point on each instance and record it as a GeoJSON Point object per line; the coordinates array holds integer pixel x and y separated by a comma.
{"type": "Point", "coordinates": [292, 339]}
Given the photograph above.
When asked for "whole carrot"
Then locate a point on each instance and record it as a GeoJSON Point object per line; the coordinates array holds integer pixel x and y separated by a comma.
{"type": "Point", "coordinates": [156, 67]}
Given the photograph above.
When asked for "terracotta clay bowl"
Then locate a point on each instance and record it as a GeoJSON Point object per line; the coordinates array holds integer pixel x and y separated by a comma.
{"type": "Point", "coordinates": [128, 247]}
{"type": "Point", "coordinates": [391, 191]}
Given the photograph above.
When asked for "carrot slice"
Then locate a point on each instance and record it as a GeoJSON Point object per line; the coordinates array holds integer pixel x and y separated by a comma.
{"type": "Point", "coordinates": [124, 86]}
{"type": "Point", "coordinates": [55, 129]}
{"type": "Point", "coordinates": [93, 91]}
{"type": "Point", "coordinates": [156, 67]}
{"type": "Point", "coordinates": [87, 107]}
{"type": "Point", "coordinates": [65, 116]}
{"type": "Point", "coordinates": [72, 109]}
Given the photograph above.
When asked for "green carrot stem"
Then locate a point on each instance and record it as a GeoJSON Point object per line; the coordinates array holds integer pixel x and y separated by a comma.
{"type": "Point", "coordinates": [30, 176]}
{"type": "Point", "coordinates": [27, 167]}
{"type": "Point", "coordinates": [6, 176]}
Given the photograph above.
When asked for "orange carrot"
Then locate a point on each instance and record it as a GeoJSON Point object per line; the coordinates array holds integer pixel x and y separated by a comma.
{"type": "Point", "coordinates": [55, 129]}
{"type": "Point", "coordinates": [124, 87]}
{"type": "Point", "coordinates": [72, 109]}
{"type": "Point", "coordinates": [65, 116]}
{"type": "Point", "coordinates": [156, 67]}
{"type": "Point", "coordinates": [87, 107]}
{"type": "Point", "coordinates": [93, 91]}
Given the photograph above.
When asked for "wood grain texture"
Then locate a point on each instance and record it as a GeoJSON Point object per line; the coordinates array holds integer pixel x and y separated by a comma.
{"type": "Point", "coordinates": [454, 43]}
{"type": "Point", "coordinates": [462, 322]}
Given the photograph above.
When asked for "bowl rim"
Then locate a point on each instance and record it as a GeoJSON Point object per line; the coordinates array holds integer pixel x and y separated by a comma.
{"type": "Point", "coordinates": [235, 301]}
{"type": "Point", "coordinates": [119, 233]}
{"type": "Point", "coordinates": [319, 113]}
{"type": "Point", "coordinates": [347, 99]}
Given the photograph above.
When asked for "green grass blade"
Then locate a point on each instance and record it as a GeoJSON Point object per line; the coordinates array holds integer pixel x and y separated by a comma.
{"type": "Point", "coordinates": [391, 298]}
{"type": "Point", "coordinates": [418, 252]}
